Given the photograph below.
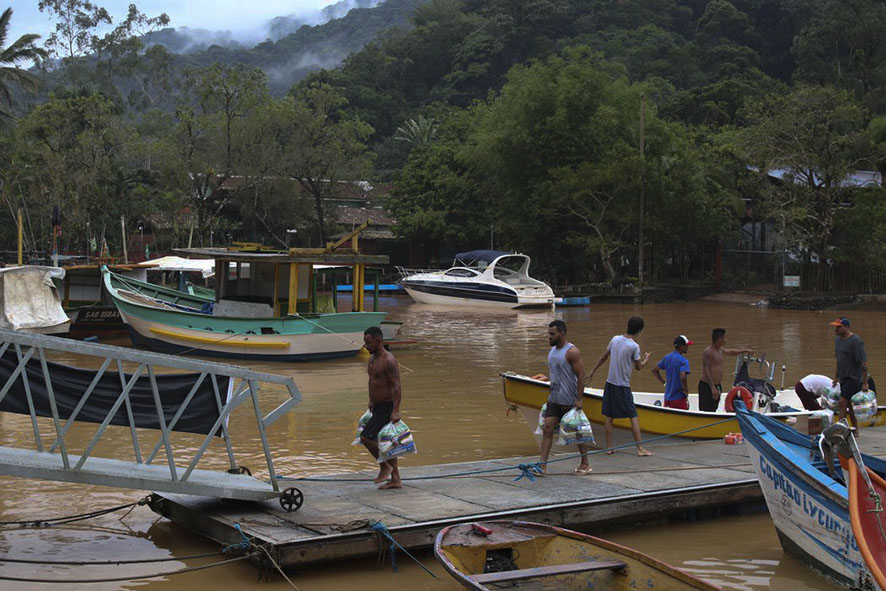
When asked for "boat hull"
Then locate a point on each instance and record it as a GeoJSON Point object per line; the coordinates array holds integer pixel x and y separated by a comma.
{"type": "Point", "coordinates": [309, 344]}
{"type": "Point", "coordinates": [548, 557]}
{"type": "Point", "coordinates": [809, 509]}
{"type": "Point", "coordinates": [448, 296]}
{"type": "Point", "coordinates": [528, 395]}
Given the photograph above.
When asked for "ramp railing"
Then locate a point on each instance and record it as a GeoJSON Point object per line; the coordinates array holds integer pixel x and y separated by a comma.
{"type": "Point", "coordinates": [197, 402]}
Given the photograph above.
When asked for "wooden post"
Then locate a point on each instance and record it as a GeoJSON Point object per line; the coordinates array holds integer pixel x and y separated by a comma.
{"type": "Point", "coordinates": [376, 290]}
{"type": "Point", "coordinates": [640, 232]}
{"type": "Point", "coordinates": [293, 288]}
{"type": "Point", "coordinates": [123, 231]}
{"type": "Point", "coordinates": [20, 237]}
{"type": "Point", "coordinates": [313, 290]}
{"type": "Point", "coordinates": [276, 304]}
{"type": "Point", "coordinates": [358, 287]}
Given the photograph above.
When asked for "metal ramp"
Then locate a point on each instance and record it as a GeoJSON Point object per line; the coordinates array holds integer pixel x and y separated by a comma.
{"type": "Point", "coordinates": [49, 390]}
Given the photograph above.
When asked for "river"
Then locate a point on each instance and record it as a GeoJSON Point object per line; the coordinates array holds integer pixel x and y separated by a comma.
{"type": "Point", "coordinates": [452, 401]}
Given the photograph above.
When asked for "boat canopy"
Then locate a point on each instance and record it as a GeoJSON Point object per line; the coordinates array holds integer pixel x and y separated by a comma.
{"type": "Point", "coordinates": [29, 299]}
{"type": "Point", "coordinates": [487, 256]}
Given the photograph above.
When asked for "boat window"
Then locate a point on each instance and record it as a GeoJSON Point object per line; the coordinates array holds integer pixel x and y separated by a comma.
{"type": "Point", "coordinates": [461, 273]}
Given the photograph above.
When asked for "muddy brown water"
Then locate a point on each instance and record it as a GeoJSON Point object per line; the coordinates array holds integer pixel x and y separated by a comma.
{"type": "Point", "coordinates": [452, 401]}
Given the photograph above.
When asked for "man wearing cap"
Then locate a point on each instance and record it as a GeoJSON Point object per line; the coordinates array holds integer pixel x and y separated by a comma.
{"type": "Point", "coordinates": [676, 368]}
{"type": "Point", "coordinates": [852, 366]}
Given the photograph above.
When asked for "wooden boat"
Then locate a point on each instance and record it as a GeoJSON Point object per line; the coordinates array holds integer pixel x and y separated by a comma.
{"type": "Point", "coordinates": [867, 489]}
{"type": "Point", "coordinates": [536, 556]}
{"type": "Point", "coordinates": [528, 394]}
{"type": "Point", "coordinates": [809, 503]}
{"type": "Point", "coordinates": [263, 308]}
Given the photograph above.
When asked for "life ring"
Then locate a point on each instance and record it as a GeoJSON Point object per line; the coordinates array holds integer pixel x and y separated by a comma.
{"type": "Point", "coordinates": [746, 397]}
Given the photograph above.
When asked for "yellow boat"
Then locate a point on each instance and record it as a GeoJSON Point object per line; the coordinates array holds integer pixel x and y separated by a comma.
{"type": "Point", "coordinates": [528, 394]}
{"type": "Point", "coordinates": [505, 554]}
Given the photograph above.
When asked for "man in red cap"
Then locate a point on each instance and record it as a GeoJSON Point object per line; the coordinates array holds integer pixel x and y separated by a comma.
{"type": "Point", "coordinates": [852, 366]}
{"type": "Point", "coordinates": [676, 368]}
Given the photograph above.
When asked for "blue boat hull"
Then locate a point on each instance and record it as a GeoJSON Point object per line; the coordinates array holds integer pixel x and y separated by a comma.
{"type": "Point", "coordinates": [809, 508]}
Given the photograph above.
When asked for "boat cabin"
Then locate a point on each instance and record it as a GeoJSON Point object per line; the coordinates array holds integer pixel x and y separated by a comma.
{"type": "Point", "coordinates": [255, 282]}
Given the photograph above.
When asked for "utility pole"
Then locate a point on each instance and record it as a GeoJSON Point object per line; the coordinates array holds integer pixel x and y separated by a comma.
{"type": "Point", "coordinates": [640, 253]}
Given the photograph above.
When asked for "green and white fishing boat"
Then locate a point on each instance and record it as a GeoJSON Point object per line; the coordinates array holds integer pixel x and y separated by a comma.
{"type": "Point", "coordinates": [263, 308]}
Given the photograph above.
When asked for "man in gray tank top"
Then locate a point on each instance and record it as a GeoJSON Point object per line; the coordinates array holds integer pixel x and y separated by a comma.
{"type": "Point", "coordinates": [566, 371]}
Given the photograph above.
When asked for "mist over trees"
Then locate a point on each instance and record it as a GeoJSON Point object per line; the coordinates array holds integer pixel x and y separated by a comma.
{"type": "Point", "coordinates": [541, 120]}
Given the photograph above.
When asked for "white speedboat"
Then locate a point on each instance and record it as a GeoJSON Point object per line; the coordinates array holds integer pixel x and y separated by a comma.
{"type": "Point", "coordinates": [486, 278]}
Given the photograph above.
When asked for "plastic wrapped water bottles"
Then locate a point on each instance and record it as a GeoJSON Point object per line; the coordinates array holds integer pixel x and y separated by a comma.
{"type": "Point", "coordinates": [865, 406]}
{"type": "Point", "coordinates": [541, 419]}
{"type": "Point", "coordinates": [575, 428]}
{"type": "Point", "coordinates": [361, 423]}
{"type": "Point", "coordinates": [394, 440]}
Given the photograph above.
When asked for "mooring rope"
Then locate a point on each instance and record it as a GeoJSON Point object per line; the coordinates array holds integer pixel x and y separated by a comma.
{"type": "Point", "coordinates": [526, 470]}
{"type": "Point", "coordinates": [73, 518]}
{"type": "Point", "coordinates": [181, 571]}
{"type": "Point", "coordinates": [382, 530]}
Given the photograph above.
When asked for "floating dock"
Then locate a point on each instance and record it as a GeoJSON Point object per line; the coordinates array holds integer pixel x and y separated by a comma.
{"type": "Point", "coordinates": [332, 523]}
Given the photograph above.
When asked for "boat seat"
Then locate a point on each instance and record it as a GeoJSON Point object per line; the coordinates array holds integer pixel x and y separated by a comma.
{"type": "Point", "coordinates": [546, 571]}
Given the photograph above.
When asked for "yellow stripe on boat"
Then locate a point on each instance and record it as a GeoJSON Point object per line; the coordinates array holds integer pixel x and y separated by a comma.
{"type": "Point", "coordinates": [228, 342]}
{"type": "Point", "coordinates": [654, 420]}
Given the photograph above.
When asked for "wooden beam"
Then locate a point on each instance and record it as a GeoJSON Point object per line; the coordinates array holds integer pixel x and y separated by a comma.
{"type": "Point", "coordinates": [293, 288]}
{"type": "Point", "coordinates": [350, 236]}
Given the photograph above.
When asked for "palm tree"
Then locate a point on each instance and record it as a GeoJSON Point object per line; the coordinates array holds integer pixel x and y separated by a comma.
{"type": "Point", "coordinates": [22, 50]}
{"type": "Point", "coordinates": [420, 133]}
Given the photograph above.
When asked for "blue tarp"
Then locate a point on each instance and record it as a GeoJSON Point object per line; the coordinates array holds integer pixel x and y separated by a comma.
{"type": "Point", "coordinates": [480, 255]}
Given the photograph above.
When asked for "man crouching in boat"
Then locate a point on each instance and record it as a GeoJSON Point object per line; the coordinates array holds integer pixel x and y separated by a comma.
{"type": "Point", "coordinates": [384, 402]}
{"type": "Point", "coordinates": [567, 389]}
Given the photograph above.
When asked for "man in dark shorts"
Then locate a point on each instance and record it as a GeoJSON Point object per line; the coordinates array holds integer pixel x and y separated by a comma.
{"type": "Point", "coordinates": [384, 402]}
{"type": "Point", "coordinates": [566, 370]}
{"type": "Point", "coordinates": [709, 388]}
{"type": "Point", "coordinates": [618, 400]}
{"type": "Point", "coordinates": [852, 366]}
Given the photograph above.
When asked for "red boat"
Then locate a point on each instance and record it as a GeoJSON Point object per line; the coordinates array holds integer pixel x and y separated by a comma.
{"type": "Point", "coordinates": [866, 492]}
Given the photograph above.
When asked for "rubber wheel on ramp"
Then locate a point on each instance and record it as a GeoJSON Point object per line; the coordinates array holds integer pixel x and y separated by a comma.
{"type": "Point", "coordinates": [291, 499]}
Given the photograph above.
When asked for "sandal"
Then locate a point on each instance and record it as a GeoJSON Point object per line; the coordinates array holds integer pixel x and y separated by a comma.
{"type": "Point", "coordinates": [582, 471]}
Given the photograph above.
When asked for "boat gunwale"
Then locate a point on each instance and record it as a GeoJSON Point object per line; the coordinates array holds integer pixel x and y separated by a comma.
{"type": "Point", "coordinates": [509, 375]}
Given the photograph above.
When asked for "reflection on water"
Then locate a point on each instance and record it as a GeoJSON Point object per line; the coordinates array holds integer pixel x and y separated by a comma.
{"type": "Point", "coordinates": [453, 403]}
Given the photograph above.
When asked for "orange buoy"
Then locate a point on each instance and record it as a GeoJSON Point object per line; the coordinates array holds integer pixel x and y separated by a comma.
{"type": "Point", "coordinates": [746, 397]}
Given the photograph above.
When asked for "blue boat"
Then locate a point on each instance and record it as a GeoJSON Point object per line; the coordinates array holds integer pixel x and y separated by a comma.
{"type": "Point", "coordinates": [809, 506]}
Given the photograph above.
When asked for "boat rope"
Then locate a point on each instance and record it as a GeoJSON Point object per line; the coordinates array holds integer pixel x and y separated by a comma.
{"type": "Point", "coordinates": [277, 567]}
{"type": "Point", "coordinates": [241, 546]}
{"type": "Point", "coordinates": [382, 530]}
{"type": "Point", "coordinates": [181, 571]}
{"type": "Point", "coordinates": [108, 562]}
{"type": "Point", "coordinates": [525, 469]}
{"type": "Point", "coordinates": [73, 518]}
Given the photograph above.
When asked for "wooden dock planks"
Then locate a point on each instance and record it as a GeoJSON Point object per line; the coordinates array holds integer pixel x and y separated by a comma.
{"type": "Point", "coordinates": [679, 477]}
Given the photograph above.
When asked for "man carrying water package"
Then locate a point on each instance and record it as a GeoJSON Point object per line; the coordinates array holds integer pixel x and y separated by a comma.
{"type": "Point", "coordinates": [566, 370]}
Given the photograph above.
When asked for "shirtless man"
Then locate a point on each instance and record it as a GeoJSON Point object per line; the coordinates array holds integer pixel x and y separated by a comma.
{"type": "Point", "coordinates": [709, 388]}
{"type": "Point", "coordinates": [384, 402]}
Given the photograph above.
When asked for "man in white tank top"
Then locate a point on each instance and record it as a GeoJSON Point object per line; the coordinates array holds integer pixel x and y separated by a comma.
{"type": "Point", "coordinates": [566, 371]}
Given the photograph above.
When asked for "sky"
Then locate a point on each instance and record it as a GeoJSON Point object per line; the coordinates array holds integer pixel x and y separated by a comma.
{"type": "Point", "coordinates": [244, 19]}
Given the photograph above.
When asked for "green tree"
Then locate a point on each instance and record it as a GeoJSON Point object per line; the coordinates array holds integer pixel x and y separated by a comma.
{"type": "Point", "coordinates": [208, 146]}
{"type": "Point", "coordinates": [74, 34]}
{"type": "Point", "coordinates": [812, 138]}
{"type": "Point", "coordinates": [19, 52]}
{"type": "Point", "coordinates": [320, 145]}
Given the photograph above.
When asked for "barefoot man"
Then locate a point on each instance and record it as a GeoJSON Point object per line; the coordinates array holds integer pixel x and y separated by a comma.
{"type": "Point", "coordinates": [567, 391]}
{"type": "Point", "coordinates": [384, 402]}
{"type": "Point", "coordinates": [618, 400]}
{"type": "Point", "coordinates": [709, 388]}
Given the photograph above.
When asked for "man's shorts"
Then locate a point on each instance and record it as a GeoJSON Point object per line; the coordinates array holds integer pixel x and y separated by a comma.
{"type": "Point", "coordinates": [849, 387]}
{"type": "Point", "coordinates": [809, 400]}
{"type": "Point", "coordinates": [680, 403]}
{"type": "Point", "coordinates": [706, 401]}
{"type": "Point", "coordinates": [381, 416]}
{"type": "Point", "coordinates": [618, 402]}
{"type": "Point", "coordinates": [557, 410]}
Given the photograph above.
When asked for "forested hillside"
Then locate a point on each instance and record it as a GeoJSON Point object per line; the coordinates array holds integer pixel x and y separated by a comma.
{"type": "Point", "coordinates": [548, 121]}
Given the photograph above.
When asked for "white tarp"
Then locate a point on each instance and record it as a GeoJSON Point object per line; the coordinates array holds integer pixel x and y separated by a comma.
{"type": "Point", "coordinates": [172, 263]}
{"type": "Point", "coordinates": [29, 299]}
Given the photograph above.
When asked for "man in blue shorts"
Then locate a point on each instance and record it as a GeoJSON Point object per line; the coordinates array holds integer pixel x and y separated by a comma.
{"type": "Point", "coordinates": [676, 368]}
{"type": "Point", "coordinates": [618, 401]}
